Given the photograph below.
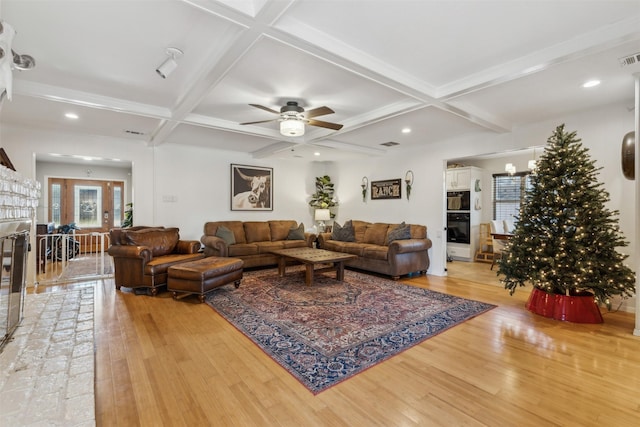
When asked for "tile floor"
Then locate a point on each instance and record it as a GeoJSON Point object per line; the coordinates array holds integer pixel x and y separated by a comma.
{"type": "Point", "coordinates": [47, 368]}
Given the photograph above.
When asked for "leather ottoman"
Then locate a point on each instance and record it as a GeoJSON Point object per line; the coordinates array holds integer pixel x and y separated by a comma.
{"type": "Point", "coordinates": [201, 276]}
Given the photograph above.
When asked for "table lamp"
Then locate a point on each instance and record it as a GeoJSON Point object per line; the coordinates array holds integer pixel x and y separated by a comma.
{"type": "Point", "coordinates": [321, 216]}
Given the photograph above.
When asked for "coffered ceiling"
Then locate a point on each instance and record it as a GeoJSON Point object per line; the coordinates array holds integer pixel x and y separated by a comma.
{"type": "Point", "coordinates": [441, 68]}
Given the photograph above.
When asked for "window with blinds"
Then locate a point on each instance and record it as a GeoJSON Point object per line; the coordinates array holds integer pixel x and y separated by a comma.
{"type": "Point", "coordinates": [508, 192]}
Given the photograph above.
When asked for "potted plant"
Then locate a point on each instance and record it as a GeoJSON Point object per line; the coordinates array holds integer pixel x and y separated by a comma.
{"type": "Point", "coordinates": [323, 197]}
{"type": "Point", "coordinates": [128, 216]}
{"type": "Point", "coordinates": [564, 241]}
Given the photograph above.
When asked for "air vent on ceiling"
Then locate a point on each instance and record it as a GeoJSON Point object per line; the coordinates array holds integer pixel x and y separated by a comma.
{"type": "Point", "coordinates": [133, 132]}
{"type": "Point", "coordinates": [390, 144]}
{"type": "Point", "coordinates": [630, 60]}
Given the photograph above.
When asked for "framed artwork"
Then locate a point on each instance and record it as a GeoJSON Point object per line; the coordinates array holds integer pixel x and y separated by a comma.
{"type": "Point", "coordinates": [388, 189]}
{"type": "Point", "coordinates": [4, 160]}
{"type": "Point", "coordinates": [251, 188]}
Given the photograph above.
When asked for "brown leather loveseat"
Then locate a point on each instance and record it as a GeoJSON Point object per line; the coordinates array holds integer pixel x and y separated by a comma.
{"type": "Point", "coordinates": [252, 241]}
{"type": "Point", "coordinates": [142, 255]}
{"type": "Point", "coordinates": [392, 249]}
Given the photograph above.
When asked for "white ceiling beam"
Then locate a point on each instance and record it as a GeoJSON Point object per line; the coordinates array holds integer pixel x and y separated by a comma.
{"type": "Point", "coordinates": [219, 66]}
{"type": "Point", "coordinates": [578, 47]}
{"type": "Point", "coordinates": [91, 100]}
{"type": "Point", "coordinates": [301, 36]}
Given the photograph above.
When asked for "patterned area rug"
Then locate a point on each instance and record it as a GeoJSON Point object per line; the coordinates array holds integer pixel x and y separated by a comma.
{"type": "Point", "coordinates": [326, 333]}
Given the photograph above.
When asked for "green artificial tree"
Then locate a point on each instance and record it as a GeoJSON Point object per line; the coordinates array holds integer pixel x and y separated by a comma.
{"type": "Point", "coordinates": [565, 238]}
{"type": "Point", "coordinates": [323, 197]}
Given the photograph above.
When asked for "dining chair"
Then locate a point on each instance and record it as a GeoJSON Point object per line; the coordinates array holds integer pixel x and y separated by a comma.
{"type": "Point", "coordinates": [498, 244]}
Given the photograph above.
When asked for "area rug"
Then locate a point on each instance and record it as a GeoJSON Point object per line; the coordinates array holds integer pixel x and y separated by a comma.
{"type": "Point", "coordinates": [328, 332]}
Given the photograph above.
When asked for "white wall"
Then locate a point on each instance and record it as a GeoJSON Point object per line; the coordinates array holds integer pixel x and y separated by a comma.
{"type": "Point", "coordinates": [199, 178]}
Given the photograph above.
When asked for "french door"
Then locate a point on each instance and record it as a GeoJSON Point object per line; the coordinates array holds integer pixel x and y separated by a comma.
{"type": "Point", "coordinates": [93, 205]}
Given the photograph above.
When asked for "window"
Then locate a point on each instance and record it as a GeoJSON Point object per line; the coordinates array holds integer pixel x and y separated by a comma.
{"type": "Point", "coordinates": [509, 193]}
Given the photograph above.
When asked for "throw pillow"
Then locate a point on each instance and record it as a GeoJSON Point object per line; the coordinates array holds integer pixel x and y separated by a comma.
{"type": "Point", "coordinates": [401, 232]}
{"type": "Point", "coordinates": [344, 233]}
{"type": "Point", "coordinates": [225, 234]}
{"type": "Point", "coordinates": [296, 233]}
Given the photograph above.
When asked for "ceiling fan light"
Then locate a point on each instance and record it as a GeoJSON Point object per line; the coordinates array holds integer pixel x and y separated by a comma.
{"type": "Point", "coordinates": [292, 127]}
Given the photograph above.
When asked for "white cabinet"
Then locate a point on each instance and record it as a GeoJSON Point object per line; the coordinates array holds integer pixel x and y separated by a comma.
{"type": "Point", "coordinates": [459, 179]}
{"type": "Point", "coordinates": [466, 179]}
{"type": "Point", "coordinates": [459, 251]}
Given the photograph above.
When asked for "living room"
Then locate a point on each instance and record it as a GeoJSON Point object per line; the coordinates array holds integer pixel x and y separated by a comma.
{"type": "Point", "coordinates": [180, 172]}
{"type": "Point", "coordinates": [190, 135]}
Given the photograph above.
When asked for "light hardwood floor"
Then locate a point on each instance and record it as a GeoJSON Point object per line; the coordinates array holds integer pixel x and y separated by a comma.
{"type": "Point", "coordinates": [161, 362]}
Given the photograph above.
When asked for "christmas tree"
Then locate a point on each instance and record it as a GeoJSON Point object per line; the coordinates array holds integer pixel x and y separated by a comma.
{"type": "Point", "coordinates": [565, 238]}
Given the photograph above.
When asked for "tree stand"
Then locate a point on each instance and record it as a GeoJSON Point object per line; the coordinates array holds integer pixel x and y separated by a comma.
{"type": "Point", "coordinates": [578, 308]}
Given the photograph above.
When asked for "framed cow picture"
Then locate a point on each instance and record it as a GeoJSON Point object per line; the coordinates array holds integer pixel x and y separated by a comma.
{"type": "Point", "coordinates": [251, 188]}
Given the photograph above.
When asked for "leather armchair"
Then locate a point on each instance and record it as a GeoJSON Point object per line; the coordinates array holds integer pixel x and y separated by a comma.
{"type": "Point", "coordinates": [142, 255]}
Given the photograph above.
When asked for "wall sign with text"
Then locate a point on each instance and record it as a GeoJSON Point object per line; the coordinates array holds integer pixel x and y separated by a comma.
{"type": "Point", "coordinates": [389, 189]}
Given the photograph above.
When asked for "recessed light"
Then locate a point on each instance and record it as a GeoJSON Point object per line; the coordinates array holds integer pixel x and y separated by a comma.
{"type": "Point", "coordinates": [71, 116]}
{"type": "Point", "coordinates": [406, 130]}
{"type": "Point", "coordinates": [591, 83]}
{"type": "Point", "coordinates": [316, 153]}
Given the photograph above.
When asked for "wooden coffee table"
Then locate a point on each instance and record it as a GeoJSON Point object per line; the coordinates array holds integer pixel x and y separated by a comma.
{"type": "Point", "coordinates": [310, 257]}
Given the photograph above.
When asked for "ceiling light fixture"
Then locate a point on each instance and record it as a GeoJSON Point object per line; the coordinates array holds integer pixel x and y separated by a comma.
{"type": "Point", "coordinates": [170, 64]}
{"type": "Point", "coordinates": [406, 130]}
{"type": "Point", "coordinates": [510, 168]}
{"type": "Point", "coordinates": [73, 116]}
{"type": "Point", "coordinates": [292, 127]}
{"type": "Point", "coordinates": [591, 83]}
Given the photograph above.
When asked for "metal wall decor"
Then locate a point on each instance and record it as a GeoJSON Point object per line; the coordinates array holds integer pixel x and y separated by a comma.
{"type": "Point", "coordinates": [364, 185]}
{"type": "Point", "coordinates": [408, 180]}
{"type": "Point", "coordinates": [388, 189]}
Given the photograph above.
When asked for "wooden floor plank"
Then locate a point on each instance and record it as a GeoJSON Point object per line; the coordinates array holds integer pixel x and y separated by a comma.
{"type": "Point", "coordinates": [161, 362]}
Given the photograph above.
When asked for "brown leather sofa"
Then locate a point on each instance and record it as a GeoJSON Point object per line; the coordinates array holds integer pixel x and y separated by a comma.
{"type": "Point", "coordinates": [142, 255]}
{"type": "Point", "coordinates": [371, 243]}
{"type": "Point", "coordinates": [252, 241]}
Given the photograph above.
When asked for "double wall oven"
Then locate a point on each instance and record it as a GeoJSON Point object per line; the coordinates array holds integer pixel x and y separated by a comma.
{"type": "Point", "coordinates": [459, 216]}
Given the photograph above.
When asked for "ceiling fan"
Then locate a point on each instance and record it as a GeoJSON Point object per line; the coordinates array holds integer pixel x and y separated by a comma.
{"type": "Point", "coordinates": [293, 117]}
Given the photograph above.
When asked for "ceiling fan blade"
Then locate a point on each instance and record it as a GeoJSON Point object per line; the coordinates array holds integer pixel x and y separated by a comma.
{"type": "Point", "coordinates": [260, 121]}
{"type": "Point", "coordinates": [322, 124]}
{"type": "Point", "coordinates": [262, 107]}
{"type": "Point", "coordinates": [320, 111]}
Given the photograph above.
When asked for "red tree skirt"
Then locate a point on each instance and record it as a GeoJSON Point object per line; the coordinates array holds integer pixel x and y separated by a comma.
{"type": "Point", "coordinates": [580, 308]}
